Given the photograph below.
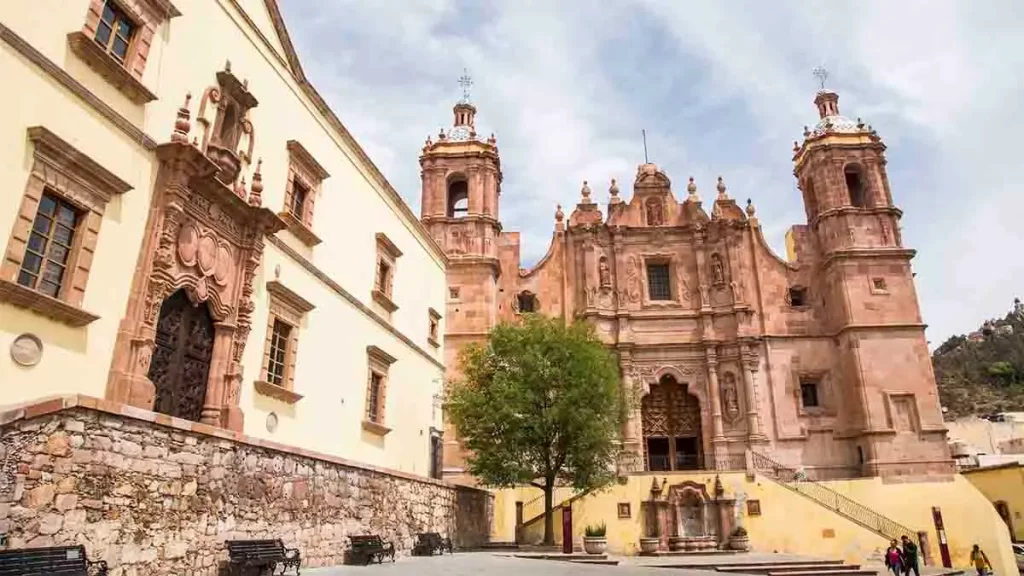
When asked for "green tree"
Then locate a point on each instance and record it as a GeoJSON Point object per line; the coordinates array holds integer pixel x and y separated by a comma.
{"type": "Point", "coordinates": [539, 403]}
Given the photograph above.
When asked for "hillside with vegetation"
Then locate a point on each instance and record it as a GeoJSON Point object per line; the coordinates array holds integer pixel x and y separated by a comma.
{"type": "Point", "coordinates": [983, 373]}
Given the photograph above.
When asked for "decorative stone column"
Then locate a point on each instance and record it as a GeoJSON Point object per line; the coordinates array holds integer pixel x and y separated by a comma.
{"type": "Point", "coordinates": [749, 362]}
{"type": "Point", "coordinates": [632, 433]}
{"type": "Point", "coordinates": [717, 429]}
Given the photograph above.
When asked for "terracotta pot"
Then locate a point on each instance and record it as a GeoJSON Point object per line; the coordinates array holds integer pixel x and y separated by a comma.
{"type": "Point", "coordinates": [649, 545]}
{"type": "Point", "coordinates": [595, 544]}
{"type": "Point", "coordinates": [739, 542]}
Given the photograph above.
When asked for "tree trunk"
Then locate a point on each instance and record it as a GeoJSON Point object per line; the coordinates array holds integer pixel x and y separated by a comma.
{"type": "Point", "coordinates": [549, 520]}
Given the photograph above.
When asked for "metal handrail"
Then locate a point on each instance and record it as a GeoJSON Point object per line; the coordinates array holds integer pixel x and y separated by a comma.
{"type": "Point", "coordinates": [829, 498]}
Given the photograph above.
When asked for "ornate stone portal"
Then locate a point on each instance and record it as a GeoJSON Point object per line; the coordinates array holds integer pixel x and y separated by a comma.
{"type": "Point", "coordinates": [685, 517]}
{"type": "Point", "coordinates": [180, 344]}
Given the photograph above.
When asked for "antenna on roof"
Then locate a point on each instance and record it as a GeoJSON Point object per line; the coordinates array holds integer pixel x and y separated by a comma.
{"type": "Point", "coordinates": [644, 133]}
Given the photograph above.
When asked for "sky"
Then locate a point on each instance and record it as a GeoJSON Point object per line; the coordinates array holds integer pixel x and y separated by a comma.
{"type": "Point", "coordinates": [721, 88]}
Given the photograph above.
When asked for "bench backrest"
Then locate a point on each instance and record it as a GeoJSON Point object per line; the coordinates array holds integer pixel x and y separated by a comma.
{"type": "Point", "coordinates": [368, 540]}
{"type": "Point", "coordinates": [255, 548]}
{"type": "Point", "coordinates": [58, 560]}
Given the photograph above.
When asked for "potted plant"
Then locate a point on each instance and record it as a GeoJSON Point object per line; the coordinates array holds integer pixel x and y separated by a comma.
{"type": "Point", "coordinates": [739, 539]}
{"type": "Point", "coordinates": [594, 540]}
{"type": "Point", "coordinates": [649, 544]}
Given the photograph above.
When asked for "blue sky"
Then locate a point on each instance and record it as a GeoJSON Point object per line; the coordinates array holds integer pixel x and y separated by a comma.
{"type": "Point", "coordinates": [722, 88]}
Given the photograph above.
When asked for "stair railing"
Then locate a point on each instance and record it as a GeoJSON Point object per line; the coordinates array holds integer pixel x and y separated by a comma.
{"type": "Point", "coordinates": [798, 482]}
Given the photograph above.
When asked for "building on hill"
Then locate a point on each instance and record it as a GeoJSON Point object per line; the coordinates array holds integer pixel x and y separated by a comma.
{"type": "Point", "coordinates": [180, 235]}
{"type": "Point", "coordinates": [819, 360]}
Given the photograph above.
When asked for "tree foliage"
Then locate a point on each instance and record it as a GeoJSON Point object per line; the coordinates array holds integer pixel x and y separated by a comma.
{"type": "Point", "coordinates": [540, 403]}
{"type": "Point", "coordinates": [981, 378]}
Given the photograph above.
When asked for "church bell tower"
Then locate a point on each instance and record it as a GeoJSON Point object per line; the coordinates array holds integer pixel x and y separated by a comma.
{"type": "Point", "coordinates": [892, 415]}
{"type": "Point", "coordinates": [461, 176]}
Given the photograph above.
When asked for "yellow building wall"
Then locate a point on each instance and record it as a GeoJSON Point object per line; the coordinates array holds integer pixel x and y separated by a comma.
{"type": "Point", "coordinates": [1006, 484]}
{"type": "Point", "coordinates": [533, 505]}
{"type": "Point", "coordinates": [791, 523]}
{"type": "Point", "coordinates": [351, 208]}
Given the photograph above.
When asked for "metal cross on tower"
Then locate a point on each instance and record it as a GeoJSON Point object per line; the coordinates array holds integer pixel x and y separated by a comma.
{"type": "Point", "coordinates": [821, 74]}
{"type": "Point", "coordinates": [466, 82]}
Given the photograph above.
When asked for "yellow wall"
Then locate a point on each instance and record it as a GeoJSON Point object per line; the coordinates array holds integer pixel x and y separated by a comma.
{"type": "Point", "coordinates": [791, 523]}
{"type": "Point", "coordinates": [1003, 483]}
{"type": "Point", "coordinates": [351, 208]}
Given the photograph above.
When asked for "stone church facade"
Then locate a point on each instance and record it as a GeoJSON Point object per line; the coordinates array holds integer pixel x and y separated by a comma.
{"type": "Point", "coordinates": [818, 361]}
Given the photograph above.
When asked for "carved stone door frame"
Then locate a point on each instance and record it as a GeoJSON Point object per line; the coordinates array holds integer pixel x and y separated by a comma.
{"type": "Point", "coordinates": [203, 236]}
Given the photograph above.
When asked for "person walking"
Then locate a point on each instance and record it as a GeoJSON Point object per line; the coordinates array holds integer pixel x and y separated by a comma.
{"type": "Point", "coordinates": [910, 557]}
{"type": "Point", "coordinates": [980, 561]}
{"type": "Point", "coordinates": [894, 559]}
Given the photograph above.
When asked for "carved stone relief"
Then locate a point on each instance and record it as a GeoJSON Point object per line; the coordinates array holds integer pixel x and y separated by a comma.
{"type": "Point", "coordinates": [730, 397]}
{"type": "Point", "coordinates": [634, 284]}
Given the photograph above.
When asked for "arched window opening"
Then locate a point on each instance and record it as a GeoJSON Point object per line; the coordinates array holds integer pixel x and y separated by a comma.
{"type": "Point", "coordinates": [527, 302]}
{"type": "Point", "coordinates": [458, 199]}
{"type": "Point", "coordinates": [855, 186]}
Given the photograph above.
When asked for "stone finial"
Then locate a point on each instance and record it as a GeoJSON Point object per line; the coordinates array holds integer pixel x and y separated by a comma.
{"type": "Point", "coordinates": [227, 65]}
{"type": "Point", "coordinates": [796, 146]}
{"type": "Point", "coordinates": [182, 126]}
{"type": "Point", "coordinates": [240, 187]}
{"type": "Point", "coordinates": [807, 131]}
{"type": "Point", "coordinates": [691, 190]}
{"type": "Point", "coordinates": [721, 189]}
{"type": "Point", "coordinates": [613, 190]}
{"type": "Point", "coordinates": [428, 143]}
{"type": "Point", "coordinates": [559, 215]}
{"type": "Point", "coordinates": [750, 208]}
{"type": "Point", "coordinates": [440, 134]}
{"type": "Point", "coordinates": [585, 193]}
{"type": "Point", "coordinates": [256, 192]}
{"type": "Point", "coordinates": [493, 141]}
{"type": "Point", "coordinates": [860, 123]}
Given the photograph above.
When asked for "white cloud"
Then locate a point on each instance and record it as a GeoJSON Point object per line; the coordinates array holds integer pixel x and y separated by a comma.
{"type": "Point", "coordinates": [722, 88]}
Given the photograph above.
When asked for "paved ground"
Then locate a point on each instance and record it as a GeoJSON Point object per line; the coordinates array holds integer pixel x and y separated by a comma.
{"type": "Point", "coordinates": [503, 564]}
{"type": "Point", "coordinates": [489, 564]}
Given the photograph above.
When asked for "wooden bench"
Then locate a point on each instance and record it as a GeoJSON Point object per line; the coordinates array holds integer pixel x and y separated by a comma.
{"type": "Point", "coordinates": [261, 554]}
{"type": "Point", "coordinates": [54, 561]}
{"type": "Point", "coordinates": [429, 542]}
{"type": "Point", "coordinates": [367, 547]}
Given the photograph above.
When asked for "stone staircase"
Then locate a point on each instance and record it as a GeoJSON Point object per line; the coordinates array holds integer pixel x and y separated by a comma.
{"type": "Point", "coordinates": [797, 568]}
{"type": "Point", "coordinates": [823, 495]}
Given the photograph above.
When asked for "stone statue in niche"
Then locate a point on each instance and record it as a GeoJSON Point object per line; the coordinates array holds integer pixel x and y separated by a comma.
{"type": "Point", "coordinates": [730, 396]}
{"type": "Point", "coordinates": [717, 270]}
{"type": "Point", "coordinates": [655, 217]}
{"type": "Point", "coordinates": [604, 272]}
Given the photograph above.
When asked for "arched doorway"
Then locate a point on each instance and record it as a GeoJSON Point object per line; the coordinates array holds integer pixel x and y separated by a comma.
{"type": "Point", "coordinates": [671, 427]}
{"type": "Point", "coordinates": [180, 367]}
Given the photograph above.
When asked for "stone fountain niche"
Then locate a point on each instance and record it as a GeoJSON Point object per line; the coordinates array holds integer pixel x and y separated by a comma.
{"type": "Point", "coordinates": [684, 517]}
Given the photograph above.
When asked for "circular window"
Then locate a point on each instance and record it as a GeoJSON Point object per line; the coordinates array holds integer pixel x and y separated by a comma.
{"type": "Point", "coordinates": [27, 349]}
{"type": "Point", "coordinates": [271, 422]}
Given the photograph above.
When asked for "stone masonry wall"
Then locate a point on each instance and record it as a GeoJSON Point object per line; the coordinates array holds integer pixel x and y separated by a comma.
{"type": "Point", "coordinates": [152, 499]}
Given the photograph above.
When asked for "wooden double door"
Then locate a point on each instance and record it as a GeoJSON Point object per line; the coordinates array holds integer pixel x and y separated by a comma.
{"type": "Point", "coordinates": [180, 367]}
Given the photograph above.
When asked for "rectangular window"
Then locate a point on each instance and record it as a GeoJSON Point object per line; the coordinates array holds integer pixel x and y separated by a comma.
{"type": "Point", "coordinates": [373, 404]}
{"type": "Point", "coordinates": [657, 455]}
{"type": "Point", "coordinates": [809, 394]}
{"type": "Point", "coordinates": [276, 365]}
{"type": "Point", "coordinates": [299, 194]}
{"type": "Point", "coordinates": [658, 287]}
{"type": "Point", "coordinates": [384, 277]}
{"type": "Point", "coordinates": [435, 456]}
{"type": "Point", "coordinates": [45, 264]}
{"type": "Point", "coordinates": [798, 296]}
{"type": "Point", "coordinates": [114, 31]}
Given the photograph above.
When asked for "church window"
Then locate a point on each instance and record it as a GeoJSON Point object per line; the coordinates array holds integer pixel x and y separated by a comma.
{"type": "Point", "coordinates": [51, 248]}
{"type": "Point", "coordinates": [376, 390]}
{"type": "Point", "coordinates": [855, 186]}
{"type": "Point", "coordinates": [453, 293]}
{"type": "Point", "coordinates": [458, 199]}
{"type": "Point", "coordinates": [809, 394]}
{"type": "Point", "coordinates": [433, 330]}
{"type": "Point", "coordinates": [384, 279]}
{"type": "Point", "coordinates": [114, 31]}
{"type": "Point", "coordinates": [658, 284]}
{"type": "Point", "coordinates": [305, 179]}
{"type": "Point", "coordinates": [527, 302]}
{"type": "Point", "coordinates": [798, 296]}
{"type": "Point", "coordinates": [50, 244]}
{"type": "Point", "coordinates": [878, 285]}
{"type": "Point", "coordinates": [276, 364]}
{"type": "Point", "coordinates": [280, 351]}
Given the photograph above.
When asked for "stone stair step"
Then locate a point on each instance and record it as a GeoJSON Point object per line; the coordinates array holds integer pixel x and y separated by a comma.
{"type": "Point", "coordinates": [764, 567]}
{"type": "Point", "coordinates": [830, 572]}
{"type": "Point", "coordinates": [829, 568]}
{"type": "Point", "coordinates": [499, 546]}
